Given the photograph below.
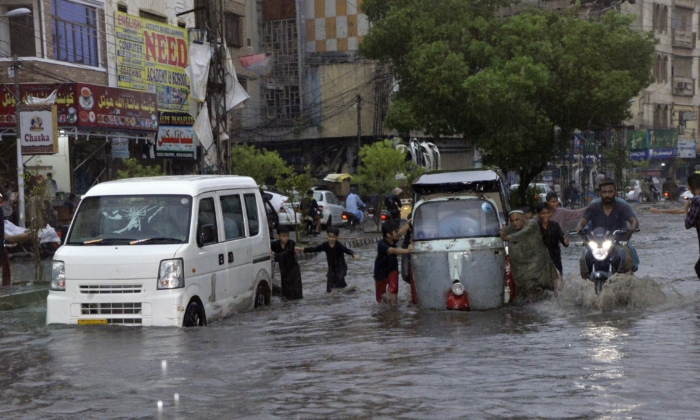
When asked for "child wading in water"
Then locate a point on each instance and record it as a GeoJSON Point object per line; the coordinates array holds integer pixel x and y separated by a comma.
{"type": "Point", "coordinates": [290, 273]}
{"type": "Point", "coordinates": [552, 234]}
{"type": "Point", "coordinates": [335, 254]}
{"type": "Point", "coordinates": [386, 265]}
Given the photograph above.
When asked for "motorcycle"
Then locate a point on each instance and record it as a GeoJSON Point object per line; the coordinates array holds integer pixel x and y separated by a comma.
{"type": "Point", "coordinates": [604, 256]}
{"type": "Point", "coordinates": [350, 221]}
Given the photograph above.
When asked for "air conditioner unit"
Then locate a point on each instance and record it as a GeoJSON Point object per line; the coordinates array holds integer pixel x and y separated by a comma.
{"type": "Point", "coordinates": [680, 85]}
{"type": "Point", "coordinates": [688, 86]}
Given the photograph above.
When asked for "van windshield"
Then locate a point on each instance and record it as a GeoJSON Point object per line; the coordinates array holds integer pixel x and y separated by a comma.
{"type": "Point", "coordinates": [458, 218]}
{"type": "Point", "coordinates": [132, 220]}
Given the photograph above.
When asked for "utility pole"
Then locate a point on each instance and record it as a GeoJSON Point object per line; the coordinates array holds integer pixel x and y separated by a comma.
{"type": "Point", "coordinates": [216, 85]}
{"type": "Point", "coordinates": [359, 127]}
{"type": "Point", "coordinates": [20, 160]}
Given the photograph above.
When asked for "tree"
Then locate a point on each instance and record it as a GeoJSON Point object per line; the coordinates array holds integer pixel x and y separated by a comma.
{"type": "Point", "coordinates": [516, 87]}
{"type": "Point", "coordinates": [264, 166]}
{"type": "Point", "coordinates": [383, 168]}
{"type": "Point", "coordinates": [134, 169]}
{"type": "Point", "coordinates": [295, 185]}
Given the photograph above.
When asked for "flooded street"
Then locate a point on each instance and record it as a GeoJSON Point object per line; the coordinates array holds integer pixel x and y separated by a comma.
{"type": "Point", "coordinates": [630, 353]}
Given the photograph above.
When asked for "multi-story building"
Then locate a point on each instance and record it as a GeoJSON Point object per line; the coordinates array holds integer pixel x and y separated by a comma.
{"type": "Point", "coordinates": [322, 100]}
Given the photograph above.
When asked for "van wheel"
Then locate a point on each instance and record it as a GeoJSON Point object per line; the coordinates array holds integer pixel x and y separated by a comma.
{"type": "Point", "coordinates": [262, 295]}
{"type": "Point", "coordinates": [194, 315]}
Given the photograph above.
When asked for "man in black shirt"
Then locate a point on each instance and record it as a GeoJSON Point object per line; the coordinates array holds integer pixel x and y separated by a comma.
{"type": "Point", "coordinates": [386, 265]}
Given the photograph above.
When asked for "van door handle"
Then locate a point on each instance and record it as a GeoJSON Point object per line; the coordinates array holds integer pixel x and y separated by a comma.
{"type": "Point", "coordinates": [221, 259]}
{"type": "Point", "coordinates": [230, 257]}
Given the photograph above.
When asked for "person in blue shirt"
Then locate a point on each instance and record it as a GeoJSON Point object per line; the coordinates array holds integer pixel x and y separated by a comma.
{"type": "Point", "coordinates": [353, 204]}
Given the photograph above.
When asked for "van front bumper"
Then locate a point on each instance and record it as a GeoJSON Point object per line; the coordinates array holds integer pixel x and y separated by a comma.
{"type": "Point", "coordinates": [163, 308]}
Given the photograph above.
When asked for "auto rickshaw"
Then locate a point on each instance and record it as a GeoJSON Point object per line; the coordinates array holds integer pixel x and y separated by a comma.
{"type": "Point", "coordinates": [459, 260]}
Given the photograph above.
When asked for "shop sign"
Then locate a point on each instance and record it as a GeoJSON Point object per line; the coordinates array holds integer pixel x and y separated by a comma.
{"type": "Point", "coordinates": [642, 154]}
{"type": "Point", "coordinates": [120, 148]}
{"type": "Point", "coordinates": [636, 139]}
{"type": "Point", "coordinates": [80, 104]}
{"type": "Point", "coordinates": [38, 129]}
{"type": "Point", "coordinates": [686, 149]}
{"type": "Point", "coordinates": [662, 153]}
{"type": "Point", "coordinates": [100, 106]}
{"type": "Point", "coordinates": [176, 138]}
{"type": "Point", "coordinates": [151, 57]}
{"type": "Point", "coordinates": [663, 138]}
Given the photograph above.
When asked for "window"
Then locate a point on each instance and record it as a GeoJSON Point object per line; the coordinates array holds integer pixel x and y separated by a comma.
{"type": "Point", "coordinates": [207, 216]}
{"type": "Point", "coordinates": [455, 219]}
{"type": "Point", "coordinates": [233, 30]}
{"type": "Point", "coordinates": [181, 23]}
{"type": "Point", "coordinates": [22, 36]}
{"type": "Point", "coordinates": [251, 208]}
{"type": "Point", "coordinates": [152, 16]}
{"type": "Point", "coordinates": [232, 211]}
{"type": "Point", "coordinates": [74, 30]}
{"type": "Point", "coordinates": [122, 8]}
{"type": "Point", "coordinates": [664, 70]}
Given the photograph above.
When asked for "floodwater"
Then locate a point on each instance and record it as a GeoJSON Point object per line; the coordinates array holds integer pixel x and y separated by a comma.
{"type": "Point", "coordinates": [631, 353]}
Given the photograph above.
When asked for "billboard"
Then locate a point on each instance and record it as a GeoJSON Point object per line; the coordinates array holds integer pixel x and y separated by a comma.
{"type": "Point", "coordinates": [38, 129]}
{"type": "Point", "coordinates": [663, 153]}
{"type": "Point", "coordinates": [85, 105]}
{"type": "Point", "coordinates": [636, 139]}
{"type": "Point", "coordinates": [176, 138]}
{"type": "Point", "coordinates": [663, 138]}
{"type": "Point", "coordinates": [640, 154]}
{"type": "Point", "coordinates": [151, 57]}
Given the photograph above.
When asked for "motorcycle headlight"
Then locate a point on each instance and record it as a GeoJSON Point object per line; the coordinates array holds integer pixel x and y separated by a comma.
{"type": "Point", "coordinates": [171, 274]}
{"type": "Point", "coordinates": [458, 289]}
{"type": "Point", "coordinates": [599, 253]}
{"type": "Point", "coordinates": [58, 276]}
{"type": "Point", "coordinates": [607, 245]}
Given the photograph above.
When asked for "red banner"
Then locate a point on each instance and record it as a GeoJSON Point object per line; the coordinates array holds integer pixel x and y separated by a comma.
{"type": "Point", "coordinates": [84, 105]}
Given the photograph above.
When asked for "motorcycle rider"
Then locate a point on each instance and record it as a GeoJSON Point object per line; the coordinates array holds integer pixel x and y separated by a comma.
{"type": "Point", "coordinates": [353, 204]}
{"type": "Point", "coordinates": [612, 215]}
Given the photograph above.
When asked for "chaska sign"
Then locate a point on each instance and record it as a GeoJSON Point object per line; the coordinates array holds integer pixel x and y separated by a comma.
{"type": "Point", "coordinates": [38, 129]}
{"type": "Point", "coordinates": [151, 57]}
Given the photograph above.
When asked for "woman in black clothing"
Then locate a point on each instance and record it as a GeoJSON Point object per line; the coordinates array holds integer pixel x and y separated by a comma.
{"type": "Point", "coordinates": [290, 273]}
{"type": "Point", "coordinates": [552, 235]}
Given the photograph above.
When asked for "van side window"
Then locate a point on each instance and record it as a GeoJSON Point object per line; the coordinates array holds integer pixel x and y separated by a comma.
{"type": "Point", "coordinates": [207, 216]}
{"type": "Point", "coordinates": [251, 207]}
{"type": "Point", "coordinates": [232, 211]}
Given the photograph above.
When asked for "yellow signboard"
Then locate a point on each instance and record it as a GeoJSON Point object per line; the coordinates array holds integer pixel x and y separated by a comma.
{"type": "Point", "coordinates": [151, 57]}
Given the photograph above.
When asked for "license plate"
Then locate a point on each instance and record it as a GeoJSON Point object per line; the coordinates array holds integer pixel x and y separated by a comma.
{"type": "Point", "coordinates": [92, 322]}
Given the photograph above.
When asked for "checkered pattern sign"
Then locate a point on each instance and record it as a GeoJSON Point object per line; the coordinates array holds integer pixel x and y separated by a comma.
{"type": "Point", "coordinates": [334, 25]}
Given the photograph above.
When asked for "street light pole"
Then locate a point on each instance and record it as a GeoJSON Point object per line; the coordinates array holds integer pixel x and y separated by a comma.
{"type": "Point", "coordinates": [20, 159]}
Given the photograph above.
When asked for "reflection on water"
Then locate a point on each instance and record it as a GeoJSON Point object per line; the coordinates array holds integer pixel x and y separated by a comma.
{"type": "Point", "coordinates": [630, 353]}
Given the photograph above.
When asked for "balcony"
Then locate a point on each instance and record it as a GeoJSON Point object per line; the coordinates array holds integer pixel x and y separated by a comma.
{"type": "Point", "coordinates": [683, 86]}
{"type": "Point", "coordinates": [685, 3]}
{"type": "Point", "coordinates": [684, 39]}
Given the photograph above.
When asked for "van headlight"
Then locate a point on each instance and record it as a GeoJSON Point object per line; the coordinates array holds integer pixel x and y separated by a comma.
{"type": "Point", "coordinates": [171, 274]}
{"type": "Point", "coordinates": [58, 276]}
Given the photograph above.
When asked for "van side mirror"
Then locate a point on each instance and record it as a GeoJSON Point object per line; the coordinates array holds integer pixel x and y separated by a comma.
{"type": "Point", "coordinates": [205, 234]}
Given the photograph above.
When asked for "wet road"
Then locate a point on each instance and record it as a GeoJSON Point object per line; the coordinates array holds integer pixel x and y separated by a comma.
{"type": "Point", "coordinates": [632, 353]}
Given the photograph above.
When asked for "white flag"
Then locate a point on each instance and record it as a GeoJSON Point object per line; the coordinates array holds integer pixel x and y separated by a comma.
{"type": "Point", "coordinates": [235, 94]}
{"type": "Point", "coordinates": [50, 100]}
{"type": "Point", "coordinates": [198, 70]}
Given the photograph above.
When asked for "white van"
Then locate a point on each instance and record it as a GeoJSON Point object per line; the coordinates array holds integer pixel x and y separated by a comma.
{"type": "Point", "coordinates": [165, 251]}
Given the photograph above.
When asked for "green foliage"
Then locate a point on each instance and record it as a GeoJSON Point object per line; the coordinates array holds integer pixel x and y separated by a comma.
{"type": "Point", "coordinates": [383, 168]}
{"type": "Point", "coordinates": [134, 169]}
{"type": "Point", "coordinates": [618, 156]}
{"type": "Point", "coordinates": [295, 185]}
{"type": "Point", "coordinates": [531, 198]}
{"type": "Point", "coordinates": [264, 166]}
{"type": "Point", "coordinates": [508, 85]}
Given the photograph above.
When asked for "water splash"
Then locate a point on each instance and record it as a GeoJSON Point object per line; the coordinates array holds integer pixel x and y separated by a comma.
{"type": "Point", "coordinates": [621, 291]}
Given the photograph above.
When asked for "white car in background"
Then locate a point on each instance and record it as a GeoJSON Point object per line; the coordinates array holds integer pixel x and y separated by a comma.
{"type": "Point", "coordinates": [330, 204]}
{"type": "Point", "coordinates": [544, 189]}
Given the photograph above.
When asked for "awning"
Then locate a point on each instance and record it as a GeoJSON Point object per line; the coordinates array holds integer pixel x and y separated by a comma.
{"type": "Point", "coordinates": [337, 177]}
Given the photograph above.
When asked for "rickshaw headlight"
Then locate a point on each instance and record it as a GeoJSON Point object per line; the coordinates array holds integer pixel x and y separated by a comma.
{"type": "Point", "coordinates": [457, 288]}
{"type": "Point", "coordinates": [171, 274]}
{"type": "Point", "coordinates": [58, 276]}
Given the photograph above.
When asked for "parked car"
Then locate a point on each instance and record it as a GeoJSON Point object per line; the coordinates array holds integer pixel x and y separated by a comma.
{"type": "Point", "coordinates": [544, 189]}
{"type": "Point", "coordinates": [330, 204]}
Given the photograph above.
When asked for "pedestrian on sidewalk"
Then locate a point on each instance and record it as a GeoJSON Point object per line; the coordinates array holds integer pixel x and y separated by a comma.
{"type": "Point", "coordinates": [335, 255]}
{"type": "Point", "coordinates": [552, 235]}
{"type": "Point", "coordinates": [386, 265]}
{"type": "Point", "coordinates": [283, 252]}
{"type": "Point", "coordinates": [692, 210]}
